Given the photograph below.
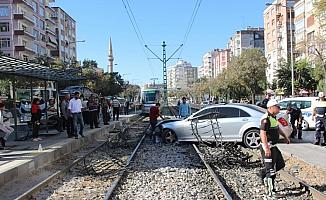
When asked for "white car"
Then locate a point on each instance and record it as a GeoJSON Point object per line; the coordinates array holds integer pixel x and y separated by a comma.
{"type": "Point", "coordinates": [305, 104]}
{"type": "Point", "coordinates": [238, 123]}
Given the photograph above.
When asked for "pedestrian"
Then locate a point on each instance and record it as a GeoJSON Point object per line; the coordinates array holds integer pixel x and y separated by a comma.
{"type": "Point", "coordinates": [319, 114]}
{"type": "Point", "coordinates": [116, 108]}
{"type": "Point", "coordinates": [67, 116]}
{"type": "Point", "coordinates": [295, 119]}
{"type": "Point", "coordinates": [154, 113]}
{"type": "Point", "coordinates": [75, 108]}
{"type": "Point", "coordinates": [271, 155]}
{"type": "Point", "coordinates": [5, 129]}
{"type": "Point", "coordinates": [36, 118]}
{"type": "Point", "coordinates": [85, 111]}
{"type": "Point", "coordinates": [105, 110]}
{"type": "Point", "coordinates": [93, 112]}
{"type": "Point", "coordinates": [184, 108]}
{"type": "Point", "coordinates": [126, 107]}
{"type": "Point", "coordinates": [266, 99]}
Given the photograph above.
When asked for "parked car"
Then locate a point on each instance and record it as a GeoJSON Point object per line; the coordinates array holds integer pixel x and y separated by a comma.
{"type": "Point", "coordinates": [72, 89]}
{"type": "Point", "coordinates": [238, 123]}
{"type": "Point", "coordinates": [305, 104]}
{"type": "Point", "coordinates": [206, 103]}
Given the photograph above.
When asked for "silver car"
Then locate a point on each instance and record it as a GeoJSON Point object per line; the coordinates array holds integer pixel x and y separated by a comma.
{"type": "Point", "coordinates": [238, 123]}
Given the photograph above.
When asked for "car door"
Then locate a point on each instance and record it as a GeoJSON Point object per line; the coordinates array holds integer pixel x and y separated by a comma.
{"type": "Point", "coordinates": [231, 119]}
{"type": "Point", "coordinates": [202, 123]}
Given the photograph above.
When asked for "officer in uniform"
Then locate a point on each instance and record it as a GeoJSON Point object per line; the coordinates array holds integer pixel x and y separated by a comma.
{"type": "Point", "coordinates": [271, 155]}
{"type": "Point", "coordinates": [319, 114]}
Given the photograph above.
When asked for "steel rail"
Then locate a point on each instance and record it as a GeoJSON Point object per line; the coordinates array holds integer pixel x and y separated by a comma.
{"type": "Point", "coordinates": [35, 189]}
{"type": "Point", "coordinates": [284, 175]}
{"type": "Point", "coordinates": [213, 174]}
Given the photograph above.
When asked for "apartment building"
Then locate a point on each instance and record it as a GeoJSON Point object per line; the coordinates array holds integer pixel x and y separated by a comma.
{"type": "Point", "coordinates": [66, 36]}
{"type": "Point", "coordinates": [181, 76]}
{"type": "Point", "coordinates": [309, 31]}
{"type": "Point", "coordinates": [214, 62]}
{"type": "Point", "coordinates": [246, 39]}
{"type": "Point", "coordinates": [278, 28]}
{"type": "Point", "coordinates": [29, 29]}
{"type": "Point", "coordinates": [207, 69]}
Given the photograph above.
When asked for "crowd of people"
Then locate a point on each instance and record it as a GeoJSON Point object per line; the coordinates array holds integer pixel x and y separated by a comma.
{"type": "Point", "coordinates": [74, 111]}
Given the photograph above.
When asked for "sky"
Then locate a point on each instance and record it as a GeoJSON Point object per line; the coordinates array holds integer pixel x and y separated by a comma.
{"type": "Point", "coordinates": [158, 21]}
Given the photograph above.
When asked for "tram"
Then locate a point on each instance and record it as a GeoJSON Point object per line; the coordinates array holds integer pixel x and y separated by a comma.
{"type": "Point", "coordinates": [149, 97]}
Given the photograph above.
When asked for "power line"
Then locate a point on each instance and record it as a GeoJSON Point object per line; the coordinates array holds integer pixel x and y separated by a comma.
{"type": "Point", "coordinates": [190, 24]}
{"type": "Point", "coordinates": [136, 29]}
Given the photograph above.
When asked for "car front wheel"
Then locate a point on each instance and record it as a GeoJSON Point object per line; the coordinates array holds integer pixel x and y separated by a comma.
{"type": "Point", "coordinates": [169, 136]}
{"type": "Point", "coordinates": [251, 138]}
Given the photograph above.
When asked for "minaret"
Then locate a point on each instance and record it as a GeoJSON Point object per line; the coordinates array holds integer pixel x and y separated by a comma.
{"type": "Point", "coordinates": [111, 58]}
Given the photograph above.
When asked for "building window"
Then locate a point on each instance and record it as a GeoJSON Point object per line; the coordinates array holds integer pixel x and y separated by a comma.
{"type": "Point", "coordinates": [25, 58]}
{"type": "Point", "coordinates": [42, 12]}
{"type": "Point", "coordinates": [4, 43]}
{"type": "Point", "coordinates": [311, 36]}
{"type": "Point", "coordinates": [4, 27]}
{"type": "Point", "coordinates": [34, 5]}
{"type": "Point", "coordinates": [4, 11]}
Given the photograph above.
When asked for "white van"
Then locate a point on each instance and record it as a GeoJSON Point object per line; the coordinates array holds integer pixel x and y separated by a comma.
{"type": "Point", "coordinates": [305, 104]}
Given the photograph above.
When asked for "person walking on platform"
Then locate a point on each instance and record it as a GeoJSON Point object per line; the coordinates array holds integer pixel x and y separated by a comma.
{"type": "Point", "coordinates": [116, 108]}
{"type": "Point", "coordinates": [184, 108]}
{"type": "Point", "coordinates": [36, 118]}
{"type": "Point", "coordinates": [319, 114]}
{"type": "Point", "coordinates": [271, 155]}
{"type": "Point", "coordinates": [67, 117]}
{"type": "Point", "coordinates": [93, 112]}
{"type": "Point", "coordinates": [105, 112]}
{"type": "Point", "coordinates": [126, 107]}
{"type": "Point", "coordinates": [75, 107]}
{"type": "Point", "coordinates": [295, 117]}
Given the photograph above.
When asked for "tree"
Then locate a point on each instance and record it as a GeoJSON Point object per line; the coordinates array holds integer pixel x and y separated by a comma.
{"type": "Point", "coordinates": [89, 64]}
{"type": "Point", "coordinates": [250, 70]}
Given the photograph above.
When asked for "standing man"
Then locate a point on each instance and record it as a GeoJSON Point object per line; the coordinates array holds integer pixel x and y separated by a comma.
{"type": "Point", "coordinates": [105, 112]}
{"type": "Point", "coordinates": [75, 107]}
{"type": "Point", "coordinates": [126, 107]}
{"type": "Point", "coordinates": [67, 117]}
{"type": "Point", "coordinates": [184, 108]}
{"type": "Point", "coordinates": [116, 108]}
{"type": "Point", "coordinates": [295, 115]}
{"type": "Point", "coordinates": [271, 155]}
{"type": "Point", "coordinates": [154, 113]}
{"type": "Point", "coordinates": [267, 98]}
{"type": "Point", "coordinates": [319, 114]}
{"type": "Point", "coordinates": [93, 112]}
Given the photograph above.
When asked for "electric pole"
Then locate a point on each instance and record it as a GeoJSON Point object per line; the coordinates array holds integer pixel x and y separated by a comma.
{"type": "Point", "coordinates": [164, 60]}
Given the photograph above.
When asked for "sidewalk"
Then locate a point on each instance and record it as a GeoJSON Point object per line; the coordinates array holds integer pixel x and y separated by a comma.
{"type": "Point", "coordinates": [307, 152]}
{"type": "Point", "coordinates": [22, 157]}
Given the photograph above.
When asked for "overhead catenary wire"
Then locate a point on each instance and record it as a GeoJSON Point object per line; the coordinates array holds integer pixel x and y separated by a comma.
{"type": "Point", "coordinates": [190, 24]}
{"type": "Point", "coordinates": [137, 31]}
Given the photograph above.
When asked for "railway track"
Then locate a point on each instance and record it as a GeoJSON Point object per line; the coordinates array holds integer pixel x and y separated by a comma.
{"type": "Point", "coordinates": [98, 166]}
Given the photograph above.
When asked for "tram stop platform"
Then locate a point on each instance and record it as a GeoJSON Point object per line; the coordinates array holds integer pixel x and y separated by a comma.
{"type": "Point", "coordinates": [20, 158]}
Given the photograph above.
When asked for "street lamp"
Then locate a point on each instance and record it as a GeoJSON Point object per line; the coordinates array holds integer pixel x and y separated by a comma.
{"type": "Point", "coordinates": [291, 42]}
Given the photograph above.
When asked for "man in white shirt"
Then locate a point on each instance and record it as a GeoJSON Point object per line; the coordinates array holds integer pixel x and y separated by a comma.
{"type": "Point", "coordinates": [75, 108]}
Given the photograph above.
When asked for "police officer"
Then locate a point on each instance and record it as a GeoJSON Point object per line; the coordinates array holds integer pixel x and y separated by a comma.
{"type": "Point", "coordinates": [269, 134]}
{"type": "Point", "coordinates": [295, 116]}
{"type": "Point", "coordinates": [319, 114]}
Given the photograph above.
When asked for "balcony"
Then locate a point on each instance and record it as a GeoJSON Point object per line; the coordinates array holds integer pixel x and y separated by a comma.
{"type": "Point", "coordinates": [21, 16]}
{"type": "Point", "coordinates": [24, 48]}
{"type": "Point", "coordinates": [27, 4]}
{"type": "Point", "coordinates": [24, 33]}
{"type": "Point", "coordinates": [51, 31]}
{"type": "Point", "coordinates": [49, 19]}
